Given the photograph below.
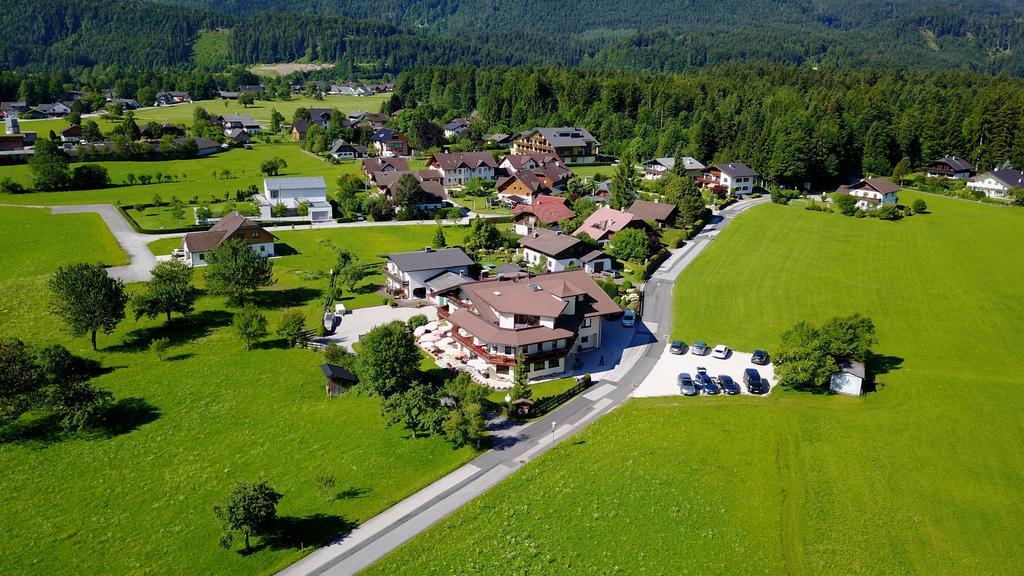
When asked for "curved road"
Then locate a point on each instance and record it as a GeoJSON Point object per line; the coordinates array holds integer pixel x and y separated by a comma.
{"type": "Point", "coordinates": [515, 446]}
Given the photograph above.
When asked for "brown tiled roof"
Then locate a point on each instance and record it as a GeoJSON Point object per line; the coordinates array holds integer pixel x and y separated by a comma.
{"type": "Point", "coordinates": [548, 243]}
{"type": "Point", "coordinates": [492, 334]}
{"type": "Point", "coordinates": [880, 185]}
{"type": "Point", "coordinates": [603, 221]}
{"type": "Point", "coordinates": [471, 160]}
{"type": "Point", "coordinates": [223, 229]}
{"type": "Point", "coordinates": [656, 211]}
{"type": "Point", "coordinates": [371, 165]}
{"type": "Point", "coordinates": [547, 209]}
{"type": "Point", "coordinates": [517, 161]}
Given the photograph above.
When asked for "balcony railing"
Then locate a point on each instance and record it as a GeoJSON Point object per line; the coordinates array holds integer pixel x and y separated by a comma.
{"type": "Point", "coordinates": [395, 277]}
{"type": "Point", "coordinates": [504, 360]}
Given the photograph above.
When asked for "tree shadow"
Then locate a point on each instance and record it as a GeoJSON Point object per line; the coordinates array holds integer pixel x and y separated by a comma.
{"type": "Point", "coordinates": [282, 249]}
{"type": "Point", "coordinates": [178, 331]}
{"type": "Point", "coordinates": [127, 415]}
{"type": "Point", "coordinates": [271, 344]}
{"type": "Point", "coordinates": [122, 417]}
{"type": "Point", "coordinates": [287, 298]}
{"type": "Point", "coordinates": [179, 357]}
{"type": "Point", "coordinates": [351, 493]}
{"type": "Point", "coordinates": [877, 365]}
{"type": "Point", "coordinates": [315, 531]}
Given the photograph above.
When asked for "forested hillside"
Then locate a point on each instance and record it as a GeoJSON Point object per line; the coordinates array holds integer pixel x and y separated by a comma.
{"type": "Point", "coordinates": [792, 124]}
{"type": "Point", "coordinates": [372, 37]}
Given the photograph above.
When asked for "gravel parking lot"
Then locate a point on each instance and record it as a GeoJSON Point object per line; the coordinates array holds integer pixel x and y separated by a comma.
{"type": "Point", "coordinates": [662, 379]}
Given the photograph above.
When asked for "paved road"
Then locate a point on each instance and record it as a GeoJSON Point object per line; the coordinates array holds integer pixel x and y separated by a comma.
{"type": "Point", "coordinates": [517, 445]}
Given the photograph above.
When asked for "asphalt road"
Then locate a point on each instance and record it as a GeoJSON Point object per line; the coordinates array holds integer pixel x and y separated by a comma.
{"type": "Point", "coordinates": [515, 446]}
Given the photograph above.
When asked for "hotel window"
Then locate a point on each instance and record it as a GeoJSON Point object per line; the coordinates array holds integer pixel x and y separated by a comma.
{"type": "Point", "coordinates": [508, 350]}
{"type": "Point", "coordinates": [538, 365]}
{"type": "Point", "coordinates": [587, 322]}
{"type": "Point", "coordinates": [553, 363]}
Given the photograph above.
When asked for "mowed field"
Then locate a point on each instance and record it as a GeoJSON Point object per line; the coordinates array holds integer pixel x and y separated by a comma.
{"type": "Point", "coordinates": [135, 496]}
{"type": "Point", "coordinates": [922, 476]}
{"type": "Point", "coordinates": [182, 113]}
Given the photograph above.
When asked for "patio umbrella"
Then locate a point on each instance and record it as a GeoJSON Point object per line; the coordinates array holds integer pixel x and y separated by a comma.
{"type": "Point", "coordinates": [430, 337]}
{"type": "Point", "coordinates": [420, 331]}
{"type": "Point", "coordinates": [446, 341]}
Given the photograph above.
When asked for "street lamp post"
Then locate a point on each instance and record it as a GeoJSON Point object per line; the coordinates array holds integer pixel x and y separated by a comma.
{"type": "Point", "coordinates": [508, 401]}
{"type": "Point", "coordinates": [553, 424]}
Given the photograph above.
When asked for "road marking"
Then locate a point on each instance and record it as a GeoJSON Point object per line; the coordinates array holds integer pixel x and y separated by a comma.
{"type": "Point", "coordinates": [599, 392]}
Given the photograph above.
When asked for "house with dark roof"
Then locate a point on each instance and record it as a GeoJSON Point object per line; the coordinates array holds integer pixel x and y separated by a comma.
{"type": "Point", "coordinates": [198, 245]}
{"type": "Point", "coordinates": [547, 319]}
{"type": "Point", "coordinates": [498, 139]}
{"type": "Point", "coordinates": [171, 98]}
{"type": "Point", "coordinates": [662, 214]}
{"type": "Point", "coordinates": [71, 135]}
{"type": "Point", "coordinates": [655, 168]}
{"type": "Point", "coordinates": [245, 122]}
{"type": "Point", "coordinates": [51, 110]}
{"type": "Point", "coordinates": [573, 144]}
{"type": "Point", "coordinates": [407, 273]}
{"type": "Point", "coordinates": [338, 379]}
{"type": "Point", "coordinates": [457, 127]}
{"type": "Point", "coordinates": [457, 168]}
{"type": "Point", "coordinates": [546, 212]}
{"type": "Point", "coordinates": [733, 178]}
{"type": "Point", "coordinates": [872, 193]}
{"type": "Point", "coordinates": [554, 251]}
{"type": "Point", "coordinates": [950, 167]}
{"type": "Point", "coordinates": [389, 142]}
{"type": "Point", "coordinates": [299, 129]}
{"type": "Point", "coordinates": [998, 183]}
{"type": "Point", "coordinates": [524, 187]}
{"type": "Point", "coordinates": [341, 149]}
{"type": "Point", "coordinates": [374, 168]}
{"type": "Point", "coordinates": [605, 222]}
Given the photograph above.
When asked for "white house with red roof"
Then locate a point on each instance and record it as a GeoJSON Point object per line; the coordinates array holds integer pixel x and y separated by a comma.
{"type": "Point", "coordinates": [457, 168]}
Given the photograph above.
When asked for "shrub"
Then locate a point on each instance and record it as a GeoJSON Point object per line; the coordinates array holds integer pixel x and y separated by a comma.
{"type": "Point", "coordinates": [325, 484]}
{"type": "Point", "coordinates": [919, 206]}
{"type": "Point", "coordinates": [293, 327]}
{"type": "Point", "coordinates": [159, 346]}
{"type": "Point", "coordinates": [888, 212]}
{"type": "Point", "coordinates": [417, 321]}
{"type": "Point", "coordinates": [139, 207]}
{"type": "Point", "coordinates": [8, 186]}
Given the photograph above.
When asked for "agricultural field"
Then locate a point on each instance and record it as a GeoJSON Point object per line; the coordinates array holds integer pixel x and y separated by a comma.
{"type": "Point", "coordinates": [921, 476]}
{"type": "Point", "coordinates": [182, 113]}
{"type": "Point", "coordinates": [135, 496]}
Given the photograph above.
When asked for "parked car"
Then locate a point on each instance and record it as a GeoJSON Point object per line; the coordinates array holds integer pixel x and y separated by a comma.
{"type": "Point", "coordinates": [759, 357]}
{"type": "Point", "coordinates": [702, 370]}
{"type": "Point", "coordinates": [629, 318]}
{"type": "Point", "coordinates": [728, 385]}
{"type": "Point", "coordinates": [721, 352]}
{"type": "Point", "coordinates": [755, 384]}
{"type": "Point", "coordinates": [677, 347]}
{"type": "Point", "coordinates": [178, 252]}
{"type": "Point", "coordinates": [686, 385]}
{"type": "Point", "coordinates": [707, 385]}
{"type": "Point", "coordinates": [699, 348]}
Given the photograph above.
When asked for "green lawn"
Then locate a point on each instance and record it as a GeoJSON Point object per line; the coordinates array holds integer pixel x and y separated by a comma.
{"type": "Point", "coordinates": [199, 178]}
{"type": "Point", "coordinates": [479, 205]}
{"type": "Point", "coordinates": [921, 477]}
{"type": "Point", "coordinates": [591, 170]}
{"type": "Point", "coordinates": [136, 498]}
{"type": "Point", "coordinates": [182, 113]}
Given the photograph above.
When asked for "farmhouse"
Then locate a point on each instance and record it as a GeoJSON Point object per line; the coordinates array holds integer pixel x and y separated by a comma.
{"type": "Point", "coordinates": [170, 98]}
{"type": "Point", "coordinates": [546, 319]}
{"type": "Point", "coordinates": [572, 143]}
{"type": "Point", "coordinates": [555, 251]}
{"type": "Point", "coordinates": [71, 135]}
{"type": "Point", "coordinates": [198, 244]}
{"type": "Point", "coordinates": [460, 167]}
{"type": "Point", "coordinates": [872, 193]}
{"type": "Point", "coordinates": [456, 128]}
{"type": "Point", "coordinates": [231, 122]}
{"type": "Point", "coordinates": [734, 178]}
{"type": "Point", "coordinates": [661, 213]}
{"type": "Point", "coordinates": [655, 168]}
{"type": "Point", "coordinates": [292, 193]}
{"type": "Point", "coordinates": [389, 142]}
{"type": "Point", "coordinates": [950, 167]}
{"type": "Point", "coordinates": [407, 273]}
{"type": "Point", "coordinates": [605, 222]}
{"type": "Point", "coordinates": [997, 184]}
{"type": "Point", "coordinates": [545, 212]}
{"type": "Point", "coordinates": [343, 150]}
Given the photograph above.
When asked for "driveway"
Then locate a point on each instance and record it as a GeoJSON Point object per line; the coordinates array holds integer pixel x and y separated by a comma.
{"type": "Point", "coordinates": [141, 259]}
{"type": "Point", "coordinates": [662, 379]}
{"type": "Point", "coordinates": [361, 320]}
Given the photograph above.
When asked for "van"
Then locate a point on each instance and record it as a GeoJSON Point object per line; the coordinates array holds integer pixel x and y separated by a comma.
{"type": "Point", "coordinates": [755, 384]}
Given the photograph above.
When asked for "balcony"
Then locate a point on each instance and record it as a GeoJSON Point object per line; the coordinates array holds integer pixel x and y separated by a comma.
{"type": "Point", "coordinates": [504, 360]}
{"type": "Point", "coordinates": [396, 278]}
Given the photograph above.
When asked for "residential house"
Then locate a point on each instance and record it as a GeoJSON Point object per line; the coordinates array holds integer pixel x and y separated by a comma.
{"type": "Point", "coordinates": [456, 128]}
{"type": "Point", "coordinates": [53, 110]}
{"type": "Point", "coordinates": [71, 135]}
{"type": "Point", "coordinates": [872, 193]}
{"type": "Point", "coordinates": [293, 192]}
{"type": "Point", "coordinates": [733, 178]}
{"type": "Point", "coordinates": [524, 187]}
{"type": "Point", "coordinates": [498, 139]}
{"type": "Point", "coordinates": [240, 122]}
{"type": "Point", "coordinates": [655, 168]}
{"type": "Point", "coordinates": [546, 212]}
{"type": "Point", "coordinates": [227, 95]}
{"type": "Point", "coordinates": [407, 273]}
{"type": "Point", "coordinates": [237, 136]}
{"type": "Point", "coordinates": [321, 116]}
{"type": "Point", "coordinates": [997, 184]}
{"type": "Point", "coordinates": [546, 319]}
{"type": "Point", "coordinates": [662, 214]}
{"type": "Point", "coordinates": [350, 89]}
{"type": "Point", "coordinates": [573, 144]}
{"type": "Point", "coordinates": [254, 89]}
{"type": "Point", "coordinates": [198, 245]}
{"type": "Point", "coordinates": [389, 142]}
{"type": "Point", "coordinates": [12, 142]}
{"type": "Point", "coordinates": [605, 222]}
{"type": "Point", "coordinates": [457, 168]}
{"type": "Point", "coordinates": [430, 182]}
{"type": "Point", "coordinates": [950, 167]}
{"type": "Point", "coordinates": [373, 167]}
{"type": "Point", "coordinates": [171, 98]}
{"type": "Point", "coordinates": [299, 129]}
{"type": "Point", "coordinates": [554, 251]}
{"type": "Point", "coordinates": [14, 109]}
{"type": "Point", "coordinates": [343, 150]}
{"type": "Point", "coordinates": [204, 146]}
{"type": "Point", "coordinates": [514, 163]}
{"type": "Point", "coordinates": [126, 103]}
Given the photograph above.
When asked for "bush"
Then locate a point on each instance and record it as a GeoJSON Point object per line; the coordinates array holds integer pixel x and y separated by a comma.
{"type": "Point", "coordinates": [919, 206]}
{"type": "Point", "coordinates": [293, 327]}
{"type": "Point", "coordinates": [417, 321]}
{"type": "Point", "coordinates": [159, 346]}
{"type": "Point", "coordinates": [140, 207]}
{"type": "Point", "coordinates": [888, 212]}
{"type": "Point", "coordinates": [8, 186]}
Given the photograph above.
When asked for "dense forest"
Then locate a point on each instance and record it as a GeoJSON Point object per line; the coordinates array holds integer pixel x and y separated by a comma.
{"type": "Point", "coordinates": [793, 124]}
{"type": "Point", "coordinates": [369, 38]}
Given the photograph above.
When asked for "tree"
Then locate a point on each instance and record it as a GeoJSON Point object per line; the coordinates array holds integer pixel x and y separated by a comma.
{"type": "Point", "coordinates": [293, 327]}
{"type": "Point", "coordinates": [273, 166]}
{"type": "Point", "coordinates": [169, 291]}
{"type": "Point", "coordinates": [846, 204]}
{"type": "Point", "coordinates": [692, 208]}
{"type": "Point", "coordinates": [91, 131]}
{"type": "Point", "coordinates": [276, 120]}
{"type": "Point", "coordinates": [415, 408]}
{"type": "Point", "coordinates": [388, 359]}
{"type": "Point", "coordinates": [919, 206]}
{"type": "Point", "coordinates": [89, 177]}
{"type": "Point", "coordinates": [87, 299]}
{"type": "Point", "coordinates": [250, 325]}
{"type": "Point", "coordinates": [235, 270]}
{"type": "Point", "coordinates": [483, 235]}
{"type": "Point", "coordinates": [250, 508]}
{"type": "Point", "coordinates": [78, 403]}
{"type": "Point", "coordinates": [520, 379]}
{"type": "Point", "coordinates": [848, 337]}
{"type": "Point", "coordinates": [20, 379]}
{"type": "Point", "coordinates": [631, 244]}
{"type": "Point", "coordinates": [439, 240]}
{"type": "Point", "coordinates": [349, 271]}
{"type": "Point", "coordinates": [465, 423]}
{"type": "Point", "coordinates": [246, 99]}
{"type": "Point", "coordinates": [49, 166]}
{"type": "Point", "coordinates": [177, 208]}
{"type": "Point", "coordinates": [624, 183]}
{"type": "Point", "coordinates": [801, 361]}
{"type": "Point", "coordinates": [408, 192]}
{"type": "Point", "coordinates": [900, 171]}
{"type": "Point", "coordinates": [888, 212]}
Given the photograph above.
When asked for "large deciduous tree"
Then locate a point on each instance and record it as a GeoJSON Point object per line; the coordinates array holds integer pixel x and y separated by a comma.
{"type": "Point", "coordinates": [250, 508]}
{"type": "Point", "coordinates": [631, 244]}
{"type": "Point", "coordinates": [49, 166]}
{"type": "Point", "coordinates": [87, 299]}
{"type": "Point", "coordinates": [388, 359]}
{"type": "Point", "coordinates": [235, 270]}
{"type": "Point", "coordinates": [170, 291]}
{"type": "Point", "coordinates": [250, 325]}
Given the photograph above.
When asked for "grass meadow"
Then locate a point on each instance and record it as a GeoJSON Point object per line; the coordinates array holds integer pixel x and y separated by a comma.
{"type": "Point", "coordinates": [135, 496]}
{"type": "Point", "coordinates": [921, 476]}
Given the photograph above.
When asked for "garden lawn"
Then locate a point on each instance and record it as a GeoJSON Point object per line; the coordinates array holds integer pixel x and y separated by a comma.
{"type": "Point", "coordinates": [136, 497]}
{"type": "Point", "coordinates": [199, 178]}
{"type": "Point", "coordinates": [922, 476]}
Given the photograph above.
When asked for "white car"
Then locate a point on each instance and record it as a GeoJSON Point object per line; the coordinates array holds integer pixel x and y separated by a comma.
{"type": "Point", "coordinates": [721, 352]}
{"type": "Point", "coordinates": [178, 252]}
{"type": "Point", "coordinates": [629, 318]}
